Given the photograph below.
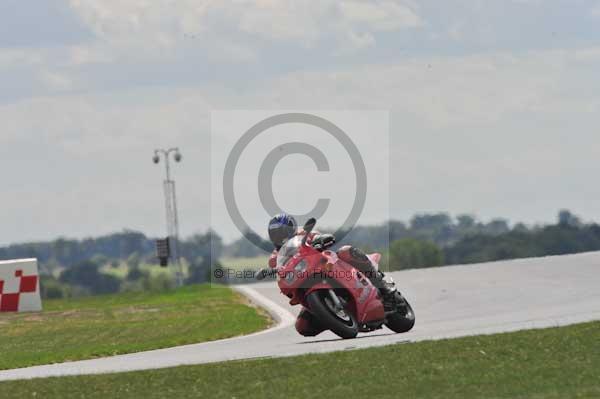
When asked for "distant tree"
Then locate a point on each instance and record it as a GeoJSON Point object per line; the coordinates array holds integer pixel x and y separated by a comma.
{"type": "Point", "coordinates": [566, 218]}
{"type": "Point", "coordinates": [208, 245]}
{"type": "Point", "coordinates": [397, 230]}
{"type": "Point", "coordinates": [133, 261]}
{"type": "Point", "coordinates": [466, 222]}
{"type": "Point", "coordinates": [521, 227]}
{"type": "Point", "coordinates": [496, 227]}
{"type": "Point", "coordinates": [130, 242]}
{"type": "Point", "coordinates": [567, 237]}
{"type": "Point", "coordinates": [199, 271]}
{"type": "Point", "coordinates": [51, 288]}
{"type": "Point", "coordinates": [246, 246]}
{"type": "Point", "coordinates": [377, 236]}
{"type": "Point", "coordinates": [66, 253]}
{"type": "Point", "coordinates": [430, 221]}
{"type": "Point", "coordinates": [409, 253]}
{"type": "Point", "coordinates": [485, 248]}
{"type": "Point", "coordinates": [434, 227]}
{"type": "Point", "coordinates": [100, 259]}
{"type": "Point", "coordinates": [87, 275]}
{"type": "Point", "coordinates": [135, 273]}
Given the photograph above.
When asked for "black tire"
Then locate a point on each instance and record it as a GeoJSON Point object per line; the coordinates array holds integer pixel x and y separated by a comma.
{"type": "Point", "coordinates": [403, 320]}
{"type": "Point", "coordinates": [328, 319]}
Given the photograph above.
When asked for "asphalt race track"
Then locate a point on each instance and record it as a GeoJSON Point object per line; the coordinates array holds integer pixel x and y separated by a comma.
{"type": "Point", "coordinates": [448, 302]}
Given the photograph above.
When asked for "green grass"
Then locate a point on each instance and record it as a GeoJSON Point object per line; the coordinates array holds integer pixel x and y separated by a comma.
{"type": "Point", "coordinates": [550, 363]}
{"type": "Point", "coordinates": [114, 324]}
{"type": "Point", "coordinates": [250, 263]}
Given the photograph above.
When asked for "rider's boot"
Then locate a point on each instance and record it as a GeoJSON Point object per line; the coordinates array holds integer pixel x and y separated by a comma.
{"type": "Point", "coordinates": [387, 289]}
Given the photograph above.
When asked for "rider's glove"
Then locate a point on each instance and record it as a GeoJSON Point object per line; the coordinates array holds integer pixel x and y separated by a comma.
{"type": "Point", "coordinates": [323, 241]}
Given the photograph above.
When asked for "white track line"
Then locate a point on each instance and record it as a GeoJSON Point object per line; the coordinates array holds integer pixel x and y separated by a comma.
{"type": "Point", "coordinates": [282, 316]}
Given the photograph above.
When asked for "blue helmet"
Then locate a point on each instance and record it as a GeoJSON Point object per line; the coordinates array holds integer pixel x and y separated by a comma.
{"type": "Point", "coordinates": [281, 228]}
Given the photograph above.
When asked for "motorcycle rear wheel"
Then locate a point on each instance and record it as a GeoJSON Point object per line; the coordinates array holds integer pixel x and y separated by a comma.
{"type": "Point", "coordinates": [403, 320]}
{"type": "Point", "coordinates": [344, 326]}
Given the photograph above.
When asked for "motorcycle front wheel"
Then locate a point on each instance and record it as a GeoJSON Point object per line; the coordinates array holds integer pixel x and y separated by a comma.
{"type": "Point", "coordinates": [341, 322]}
{"type": "Point", "coordinates": [403, 320]}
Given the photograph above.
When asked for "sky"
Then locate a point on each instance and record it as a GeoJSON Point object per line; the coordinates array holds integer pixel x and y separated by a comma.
{"type": "Point", "coordinates": [494, 106]}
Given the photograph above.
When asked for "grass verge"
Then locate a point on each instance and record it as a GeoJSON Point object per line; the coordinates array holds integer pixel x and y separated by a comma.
{"type": "Point", "coordinates": [551, 363]}
{"type": "Point", "coordinates": [115, 324]}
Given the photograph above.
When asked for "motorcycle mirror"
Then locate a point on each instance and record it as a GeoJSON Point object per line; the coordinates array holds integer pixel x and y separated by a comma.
{"type": "Point", "coordinates": [310, 225]}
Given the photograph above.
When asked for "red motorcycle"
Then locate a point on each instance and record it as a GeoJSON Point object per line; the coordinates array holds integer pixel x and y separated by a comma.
{"type": "Point", "coordinates": [341, 298]}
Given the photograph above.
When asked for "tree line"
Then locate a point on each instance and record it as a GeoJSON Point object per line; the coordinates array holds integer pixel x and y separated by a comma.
{"type": "Point", "coordinates": [568, 235]}
{"type": "Point", "coordinates": [74, 266]}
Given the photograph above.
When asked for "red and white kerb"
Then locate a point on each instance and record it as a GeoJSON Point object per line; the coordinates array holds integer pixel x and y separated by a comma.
{"type": "Point", "coordinates": [19, 286]}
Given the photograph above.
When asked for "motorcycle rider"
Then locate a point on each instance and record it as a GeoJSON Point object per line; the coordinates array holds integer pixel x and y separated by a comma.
{"type": "Point", "coordinates": [282, 227]}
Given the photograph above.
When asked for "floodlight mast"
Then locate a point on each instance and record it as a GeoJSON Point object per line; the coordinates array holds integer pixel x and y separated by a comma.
{"type": "Point", "coordinates": [171, 206]}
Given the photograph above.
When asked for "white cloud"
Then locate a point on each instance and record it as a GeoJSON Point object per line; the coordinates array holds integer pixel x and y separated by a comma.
{"type": "Point", "coordinates": [357, 41]}
{"type": "Point", "coordinates": [56, 81]}
{"type": "Point", "coordinates": [380, 15]}
{"type": "Point", "coordinates": [506, 114]}
{"type": "Point", "coordinates": [12, 57]}
{"type": "Point", "coordinates": [441, 92]}
{"type": "Point", "coordinates": [90, 54]}
{"type": "Point", "coordinates": [164, 23]}
{"type": "Point", "coordinates": [106, 123]}
{"type": "Point", "coordinates": [281, 21]}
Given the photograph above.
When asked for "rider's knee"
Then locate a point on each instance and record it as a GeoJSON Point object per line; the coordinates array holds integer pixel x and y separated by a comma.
{"type": "Point", "coordinates": [344, 253]}
{"type": "Point", "coordinates": [354, 256]}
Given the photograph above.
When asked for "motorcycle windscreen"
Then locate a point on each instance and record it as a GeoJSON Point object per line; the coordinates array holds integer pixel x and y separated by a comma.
{"type": "Point", "coordinates": [289, 249]}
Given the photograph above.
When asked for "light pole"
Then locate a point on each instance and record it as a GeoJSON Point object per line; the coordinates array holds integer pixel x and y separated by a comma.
{"type": "Point", "coordinates": [171, 206]}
